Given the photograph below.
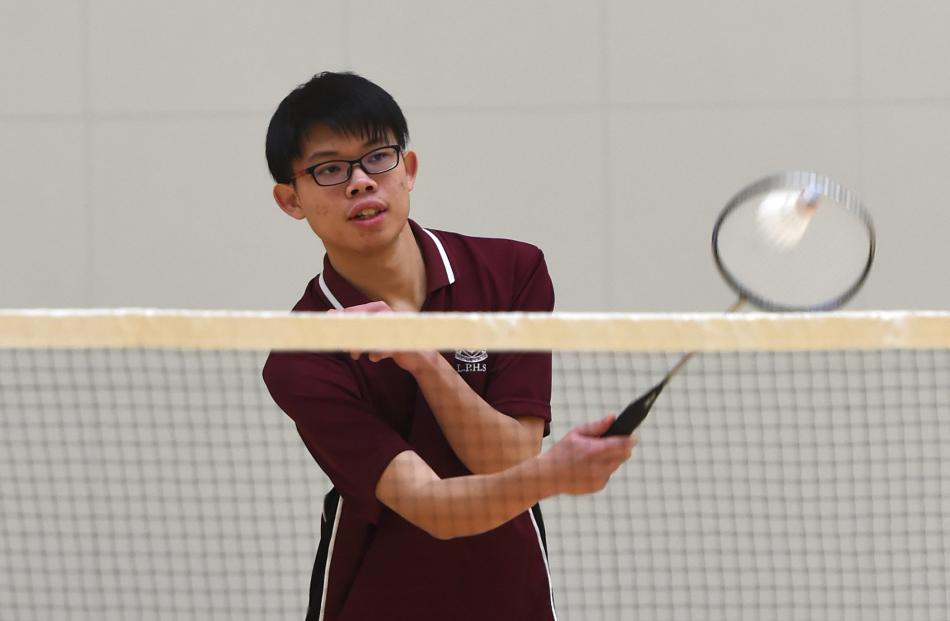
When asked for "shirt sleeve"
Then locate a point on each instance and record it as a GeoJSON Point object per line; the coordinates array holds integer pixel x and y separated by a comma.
{"type": "Point", "coordinates": [350, 443]}
{"type": "Point", "coordinates": [519, 383]}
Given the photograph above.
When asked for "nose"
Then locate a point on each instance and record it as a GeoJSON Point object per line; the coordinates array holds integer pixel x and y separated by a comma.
{"type": "Point", "coordinates": [360, 182]}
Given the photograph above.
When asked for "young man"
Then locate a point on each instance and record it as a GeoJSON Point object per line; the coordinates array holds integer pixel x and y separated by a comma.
{"type": "Point", "coordinates": [434, 458]}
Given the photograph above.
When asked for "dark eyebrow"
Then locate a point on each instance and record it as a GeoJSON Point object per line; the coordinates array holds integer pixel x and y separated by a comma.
{"type": "Point", "coordinates": [331, 153]}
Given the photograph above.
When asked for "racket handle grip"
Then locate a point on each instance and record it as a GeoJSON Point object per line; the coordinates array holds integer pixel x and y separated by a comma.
{"type": "Point", "coordinates": [634, 414]}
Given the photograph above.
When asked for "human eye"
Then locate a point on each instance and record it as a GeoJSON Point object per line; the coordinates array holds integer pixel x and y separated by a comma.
{"type": "Point", "coordinates": [328, 170]}
{"type": "Point", "coordinates": [377, 156]}
{"type": "Point", "coordinates": [380, 160]}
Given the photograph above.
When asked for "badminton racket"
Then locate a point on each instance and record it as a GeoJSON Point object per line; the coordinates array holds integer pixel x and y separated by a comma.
{"type": "Point", "coordinates": [790, 242]}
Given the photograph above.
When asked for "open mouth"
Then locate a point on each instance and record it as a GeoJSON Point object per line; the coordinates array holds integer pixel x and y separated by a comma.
{"type": "Point", "coordinates": [368, 214]}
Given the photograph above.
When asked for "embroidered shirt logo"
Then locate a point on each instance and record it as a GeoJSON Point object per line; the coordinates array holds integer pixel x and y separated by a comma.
{"type": "Point", "coordinates": [471, 360]}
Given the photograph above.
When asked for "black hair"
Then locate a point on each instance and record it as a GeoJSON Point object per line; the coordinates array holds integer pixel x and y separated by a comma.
{"type": "Point", "coordinates": [344, 102]}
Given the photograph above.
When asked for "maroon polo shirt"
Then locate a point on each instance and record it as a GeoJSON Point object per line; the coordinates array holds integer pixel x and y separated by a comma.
{"type": "Point", "coordinates": [356, 416]}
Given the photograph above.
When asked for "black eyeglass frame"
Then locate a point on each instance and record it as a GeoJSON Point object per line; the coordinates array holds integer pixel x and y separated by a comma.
{"type": "Point", "coordinates": [349, 166]}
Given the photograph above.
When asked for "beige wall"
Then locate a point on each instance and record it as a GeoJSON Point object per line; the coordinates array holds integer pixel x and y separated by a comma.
{"type": "Point", "coordinates": [608, 132]}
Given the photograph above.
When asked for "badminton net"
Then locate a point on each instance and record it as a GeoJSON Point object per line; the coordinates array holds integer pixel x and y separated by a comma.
{"type": "Point", "coordinates": [798, 468]}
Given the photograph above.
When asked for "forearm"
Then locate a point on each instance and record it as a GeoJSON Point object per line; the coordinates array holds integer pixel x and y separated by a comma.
{"type": "Point", "coordinates": [580, 463]}
{"type": "Point", "coordinates": [485, 439]}
{"type": "Point", "coordinates": [462, 506]}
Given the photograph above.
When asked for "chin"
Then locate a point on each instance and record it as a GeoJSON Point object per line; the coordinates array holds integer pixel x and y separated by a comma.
{"type": "Point", "coordinates": [386, 234]}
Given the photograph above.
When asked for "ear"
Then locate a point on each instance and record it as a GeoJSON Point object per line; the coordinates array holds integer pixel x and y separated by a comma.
{"type": "Point", "coordinates": [411, 160]}
{"type": "Point", "coordinates": [286, 198]}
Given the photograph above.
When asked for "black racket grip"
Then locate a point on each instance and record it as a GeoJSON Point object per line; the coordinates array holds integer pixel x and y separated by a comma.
{"type": "Point", "coordinates": [633, 414]}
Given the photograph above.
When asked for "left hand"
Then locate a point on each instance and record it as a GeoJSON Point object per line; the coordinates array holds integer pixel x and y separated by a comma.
{"type": "Point", "coordinates": [410, 361]}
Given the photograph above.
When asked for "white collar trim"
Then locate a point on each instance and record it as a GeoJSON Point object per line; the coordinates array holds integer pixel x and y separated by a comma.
{"type": "Point", "coordinates": [449, 272]}
{"type": "Point", "coordinates": [329, 294]}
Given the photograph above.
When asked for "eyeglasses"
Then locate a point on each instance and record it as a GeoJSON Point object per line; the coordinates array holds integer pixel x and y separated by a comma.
{"type": "Point", "coordinates": [336, 172]}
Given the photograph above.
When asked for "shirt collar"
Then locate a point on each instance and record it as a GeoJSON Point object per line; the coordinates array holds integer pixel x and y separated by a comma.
{"type": "Point", "coordinates": [439, 272]}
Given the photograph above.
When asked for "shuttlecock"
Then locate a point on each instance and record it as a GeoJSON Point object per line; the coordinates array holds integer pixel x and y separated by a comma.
{"type": "Point", "coordinates": [783, 216]}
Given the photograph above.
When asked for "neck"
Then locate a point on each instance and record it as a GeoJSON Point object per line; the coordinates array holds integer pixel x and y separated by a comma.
{"type": "Point", "coordinates": [394, 274]}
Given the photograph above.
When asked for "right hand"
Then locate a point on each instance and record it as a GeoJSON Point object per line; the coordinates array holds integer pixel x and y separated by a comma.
{"type": "Point", "coordinates": [582, 461]}
{"type": "Point", "coordinates": [411, 361]}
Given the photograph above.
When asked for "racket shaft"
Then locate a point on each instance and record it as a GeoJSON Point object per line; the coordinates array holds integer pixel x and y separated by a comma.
{"type": "Point", "coordinates": [637, 411]}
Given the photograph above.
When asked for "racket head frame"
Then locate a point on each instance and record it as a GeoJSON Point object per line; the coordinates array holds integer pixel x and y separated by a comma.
{"type": "Point", "coordinates": [800, 180]}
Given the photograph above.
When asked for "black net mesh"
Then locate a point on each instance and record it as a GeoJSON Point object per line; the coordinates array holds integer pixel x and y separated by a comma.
{"type": "Point", "coordinates": [165, 484]}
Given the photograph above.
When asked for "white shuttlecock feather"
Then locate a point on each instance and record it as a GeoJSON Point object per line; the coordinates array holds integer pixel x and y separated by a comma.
{"type": "Point", "coordinates": [783, 216]}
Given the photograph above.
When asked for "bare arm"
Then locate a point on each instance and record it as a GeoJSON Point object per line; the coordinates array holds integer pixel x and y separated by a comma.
{"type": "Point", "coordinates": [485, 439]}
{"type": "Point", "coordinates": [579, 463]}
